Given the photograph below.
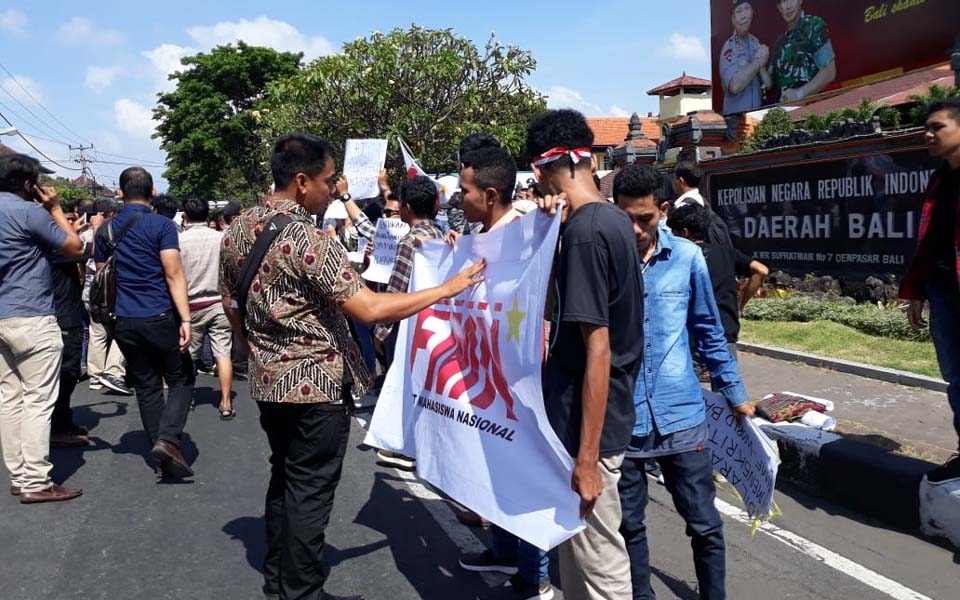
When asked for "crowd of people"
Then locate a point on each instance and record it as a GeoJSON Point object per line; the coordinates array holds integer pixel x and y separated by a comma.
{"type": "Point", "coordinates": [645, 299]}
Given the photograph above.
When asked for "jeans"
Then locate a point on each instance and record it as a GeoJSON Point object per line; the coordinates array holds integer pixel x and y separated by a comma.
{"type": "Point", "coordinates": [532, 562]}
{"type": "Point", "coordinates": [70, 370]}
{"type": "Point", "coordinates": [307, 446]}
{"type": "Point", "coordinates": [151, 346]}
{"type": "Point", "coordinates": [945, 331]}
{"type": "Point", "coordinates": [365, 341]}
{"type": "Point", "coordinates": [689, 479]}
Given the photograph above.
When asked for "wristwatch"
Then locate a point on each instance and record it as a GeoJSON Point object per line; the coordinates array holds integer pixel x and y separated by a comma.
{"type": "Point", "coordinates": [346, 197]}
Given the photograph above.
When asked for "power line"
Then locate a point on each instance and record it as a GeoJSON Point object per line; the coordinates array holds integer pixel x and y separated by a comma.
{"type": "Point", "coordinates": [40, 104]}
{"type": "Point", "coordinates": [37, 150]}
{"type": "Point", "coordinates": [42, 125]}
{"type": "Point", "coordinates": [46, 139]}
{"type": "Point", "coordinates": [143, 160]}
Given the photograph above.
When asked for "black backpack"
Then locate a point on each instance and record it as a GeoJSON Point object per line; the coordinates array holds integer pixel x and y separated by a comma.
{"type": "Point", "coordinates": [103, 289]}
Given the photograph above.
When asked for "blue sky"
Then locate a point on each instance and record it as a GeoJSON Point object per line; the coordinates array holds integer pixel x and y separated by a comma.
{"type": "Point", "coordinates": [97, 66]}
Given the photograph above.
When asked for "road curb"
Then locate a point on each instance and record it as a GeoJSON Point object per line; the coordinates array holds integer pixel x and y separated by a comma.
{"type": "Point", "coordinates": [889, 487]}
{"type": "Point", "coordinates": [846, 366]}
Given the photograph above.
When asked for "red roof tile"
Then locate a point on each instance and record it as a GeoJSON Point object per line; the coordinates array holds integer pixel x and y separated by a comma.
{"type": "Point", "coordinates": [612, 131]}
{"type": "Point", "coordinates": [892, 92]}
{"type": "Point", "coordinates": [5, 150]}
{"type": "Point", "coordinates": [682, 81]}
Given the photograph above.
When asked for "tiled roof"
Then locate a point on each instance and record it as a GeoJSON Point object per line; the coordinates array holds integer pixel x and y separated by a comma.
{"type": "Point", "coordinates": [682, 81]}
{"type": "Point", "coordinates": [5, 150]}
{"type": "Point", "coordinates": [612, 131]}
{"type": "Point", "coordinates": [892, 92]}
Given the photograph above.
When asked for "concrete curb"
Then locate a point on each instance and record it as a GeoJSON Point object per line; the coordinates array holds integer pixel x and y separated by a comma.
{"type": "Point", "coordinates": [886, 486]}
{"type": "Point", "coordinates": [846, 366]}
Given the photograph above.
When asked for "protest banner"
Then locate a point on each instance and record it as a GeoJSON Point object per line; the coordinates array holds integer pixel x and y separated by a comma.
{"type": "Point", "coordinates": [335, 210]}
{"type": "Point", "coordinates": [388, 233]}
{"type": "Point", "coordinates": [463, 395]}
{"type": "Point", "coordinates": [362, 163]}
{"type": "Point", "coordinates": [744, 456]}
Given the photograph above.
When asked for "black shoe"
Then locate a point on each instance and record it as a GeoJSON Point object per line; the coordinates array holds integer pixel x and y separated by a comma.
{"type": "Point", "coordinates": [518, 588]}
{"type": "Point", "coordinates": [949, 471]}
{"type": "Point", "coordinates": [115, 385]}
{"type": "Point", "coordinates": [240, 376]}
{"type": "Point", "coordinates": [486, 562]}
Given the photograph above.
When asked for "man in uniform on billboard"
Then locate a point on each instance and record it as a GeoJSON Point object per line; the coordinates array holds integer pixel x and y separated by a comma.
{"type": "Point", "coordinates": [743, 61]}
{"type": "Point", "coordinates": [803, 59]}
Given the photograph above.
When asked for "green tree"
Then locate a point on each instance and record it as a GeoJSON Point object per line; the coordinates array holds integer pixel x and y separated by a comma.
{"type": "Point", "coordinates": [865, 111]}
{"type": "Point", "coordinates": [918, 114]}
{"type": "Point", "coordinates": [776, 122]}
{"type": "Point", "coordinates": [430, 87]}
{"type": "Point", "coordinates": [208, 127]}
{"type": "Point", "coordinates": [68, 191]}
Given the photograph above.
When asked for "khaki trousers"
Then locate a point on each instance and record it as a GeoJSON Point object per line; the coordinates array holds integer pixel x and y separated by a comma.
{"type": "Point", "coordinates": [594, 564]}
{"type": "Point", "coordinates": [102, 359]}
{"type": "Point", "coordinates": [30, 355]}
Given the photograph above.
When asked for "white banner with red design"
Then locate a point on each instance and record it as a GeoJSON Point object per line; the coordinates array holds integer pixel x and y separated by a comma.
{"type": "Point", "coordinates": [463, 395]}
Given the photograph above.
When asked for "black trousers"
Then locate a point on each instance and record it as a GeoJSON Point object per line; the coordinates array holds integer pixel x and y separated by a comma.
{"type": "Point", "coordinates": [70, 371]}
{"type": "Point", "coordinates": [307, 444]}
{"type": "Point", "coordinates": [152, 348]}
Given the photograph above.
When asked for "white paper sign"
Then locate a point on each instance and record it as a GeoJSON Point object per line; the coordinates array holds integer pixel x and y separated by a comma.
{"type": "Point", "coordinates": [389, 232]}
{"type": "Point", "coordinates": [357, 257]}
{"type": "Point", "coordinates": [742, 453]}
{"type": "Point", "coordinates": [464, 395]}
{"type": "Point", "coordinates": [362, 163]}
{"type": "Point", "coordinates": [335, 210]}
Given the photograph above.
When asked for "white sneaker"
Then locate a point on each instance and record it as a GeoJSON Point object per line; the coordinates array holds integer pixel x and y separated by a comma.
{"type": "Point", "coordinates": [95, 383]}
{"type": "Point", "coordinates": [397, 460]}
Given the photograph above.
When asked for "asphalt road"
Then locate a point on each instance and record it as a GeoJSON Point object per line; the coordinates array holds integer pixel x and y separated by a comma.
{"type": "Point", "coordinates": [390, 538]}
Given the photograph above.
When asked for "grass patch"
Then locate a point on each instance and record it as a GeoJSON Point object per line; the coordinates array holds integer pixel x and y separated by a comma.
{"type": "Point", "coordinates": [826, 338]}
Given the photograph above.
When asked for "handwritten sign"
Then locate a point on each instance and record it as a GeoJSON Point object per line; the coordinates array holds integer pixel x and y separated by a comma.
{"type": "Point", "coordinates": [742, 454]}
{"type": "Point", "coordinates": [389, 232]}
{"type": "Point", "coordinates": [362, 163]}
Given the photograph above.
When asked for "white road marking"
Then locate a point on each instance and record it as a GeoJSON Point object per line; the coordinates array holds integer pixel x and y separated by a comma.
{"type": "Point", "coordinates": [827, 557]}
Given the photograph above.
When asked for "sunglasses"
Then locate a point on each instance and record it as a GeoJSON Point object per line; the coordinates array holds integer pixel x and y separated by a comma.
{"type": "Point", "coordinates": [388, 212]}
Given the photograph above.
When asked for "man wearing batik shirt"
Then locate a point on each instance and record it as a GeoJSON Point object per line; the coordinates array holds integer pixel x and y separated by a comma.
{"type": "Point", "coordinates": [803, 59]}
{"type": "Point", "coordinates": [303, 360]}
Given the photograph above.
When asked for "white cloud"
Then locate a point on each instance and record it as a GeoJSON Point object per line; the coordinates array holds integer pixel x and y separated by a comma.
{"type": "Point", "coordinates": [616, 111]}
{"type": "Point", "coordinates": [100, 78]}
{"type": "Point", "coordinates": [261, 31]}
{"type": "Point", "coordinates": [80, 30]}
{"type": "Point", "coordinates": [685, 47]}
{"type": "Point", "coordinates": [165, 60]}
{"type": "Point", "coordinates": [29, 87]}
{"type": "Point", "coordinates": [13, 21]}
{"type": "Point", "coordinates": [559, 96]}
{"type": "Point", "coordinates": [133, 118]}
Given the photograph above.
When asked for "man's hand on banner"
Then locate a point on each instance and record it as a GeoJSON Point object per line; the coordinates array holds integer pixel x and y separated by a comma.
{"type": "Point", "coordinates": [744, 410]}
{"type": "Point", "coordinates": [550, 204]}
{"type": "Point", "coordinates": [588, 484]}
{"type": "Point", "coordinates": [466, 278]}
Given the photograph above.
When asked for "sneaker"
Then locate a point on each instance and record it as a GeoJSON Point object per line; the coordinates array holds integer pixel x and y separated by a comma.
{"type": "Point", "coordinates": [486, 562]}
{"type": "Point", "coordinates": [949, 471]}
{"type": "Point", "coordinates": [95, 383]}
{"type": "Point", "coordinates": [518, 588]}
{"type": "Point", "coordinates": [397, 460]}
{"type": "Point", "coordinates": [115, 385]}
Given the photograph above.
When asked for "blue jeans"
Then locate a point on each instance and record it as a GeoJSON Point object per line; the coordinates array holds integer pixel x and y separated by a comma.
{"type": "Point", "coordinates": [945, 331]}
{"type": "Point", "coordinates": [365, 341]}
{"type": "Point", "coordinates": [532, 562]}
{"type": "Point", "coordinates": [689, 479]}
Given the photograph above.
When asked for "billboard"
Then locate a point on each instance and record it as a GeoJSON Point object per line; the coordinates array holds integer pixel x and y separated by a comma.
{"type": "Point", "coordinates": [774, 51]}
{"type": "Point", "coordinates": [848, 218]}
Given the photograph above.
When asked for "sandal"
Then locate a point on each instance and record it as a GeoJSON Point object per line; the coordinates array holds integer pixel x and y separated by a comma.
{"type": "Point", "coordinates": [227, 414]}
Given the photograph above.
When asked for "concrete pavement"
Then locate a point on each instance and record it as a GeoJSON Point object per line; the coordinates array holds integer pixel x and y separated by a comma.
{"type": "Point", "coordinates": [390, 537]}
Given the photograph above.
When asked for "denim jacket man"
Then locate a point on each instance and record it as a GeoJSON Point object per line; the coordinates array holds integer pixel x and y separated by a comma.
{"type": "Point", "coordinates": [670, 410]}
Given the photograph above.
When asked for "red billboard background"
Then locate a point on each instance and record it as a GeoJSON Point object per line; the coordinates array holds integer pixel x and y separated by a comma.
{"type": "Point", "coordinates": [918, 34]}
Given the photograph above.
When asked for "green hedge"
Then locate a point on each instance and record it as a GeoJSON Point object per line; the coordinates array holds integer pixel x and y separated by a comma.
{"type": "Point", "coordinates": [866, 318]}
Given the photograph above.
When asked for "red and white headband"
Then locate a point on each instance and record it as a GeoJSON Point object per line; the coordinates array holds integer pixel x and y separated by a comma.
{"type": "Point", "coordinates": [559, 152]}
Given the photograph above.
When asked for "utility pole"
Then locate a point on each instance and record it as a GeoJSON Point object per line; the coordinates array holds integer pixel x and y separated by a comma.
{"type": "Point", "coordinates": [82, 160]}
